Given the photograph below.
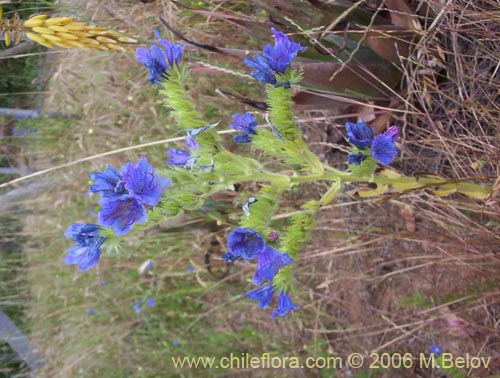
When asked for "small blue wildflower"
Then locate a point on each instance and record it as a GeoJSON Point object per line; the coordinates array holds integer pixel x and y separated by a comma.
{"type": "Point", "coordinates": [263, 295]}
{"type": "Point", "coordinates": [356, 159]}
{"type": "Point", "coordinates": [121, 214]}
{"type": "Point", "coordinates": [246, 123]}
{"type": "Point", "coordinates": [143, 183]}
{"type": "Point", "coordinates": [263, 71]}
{"type": "Point", "coordinates": [91, 311]}
{"type": "Point", "coordinates": [158, 61]}
{"type": "Point", "coordinates": [178, 158]}
{"type": "Point", "coordinates": [175, 343]}
{"type": "Point", "coordinates": [275, 60]}
{"type": "Point", "coordinates": [384, 146]}
{"type": "Point", "coordinates": [154, 61]}
{"type": "Point", "coordinates": [360, 134]}
{"type": "Point", "coordinates": [150, 302]}
{"type": "Point", "coordinates": [192, 143]}
{"type": "Point", "coordinates": [269, 263]}
{"type": "Point", "coordinates": [436, 349]}
{"type": "Point", "coordinates": [149, 266]}
{"type": "Point", "coordinates": [245, 243]}
{"type": "Point", "coordinates": [138, 307]}
{"type": "Point", "coordinates": [191, 269]}
{"type": "Point", "coordinates": [103, 283]}
{"type": "Point", "coordinates": [284, 51]}
{"type": "Point", "coordinates": [87, 251]}
{"type": "Point", "coordinates": [108, 183]}
{"type": "Point", "coordinates": [285, 305]}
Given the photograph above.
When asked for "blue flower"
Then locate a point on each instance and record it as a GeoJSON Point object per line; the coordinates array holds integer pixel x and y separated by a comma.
{"type": "Point", "coordinates": [87, 251]}
{"type": "Point", "coordinates": [155, 62]}
{"type": "Point", "coordinates": [191, 269]}
{"type": "Point", "coordinates": [91, 311]}
{"type": "Point", "coordinates": [192, 143]}
{"type": "Point", "coordinates": [158, 61]}
{"type": "Point", "coordinates": [143, 183]}
{"type": "Point", "coordinates": [284, 51]}
{"type": "Point", "coordinates": [285, 305]}
{"type": "Point", "coordinates": [108, 183]}
{"type": "Point", "coordinates": [436, 349]}
{"type": "Point", "coordinates": [245, 243]}
{"type": "Point", "coordinates": [150, 302]}
{"type": "Point", "coordinates": [275, 60]}
{"type": "Point", "coordinates": [175, 343]}
{"type": "Point", "coordinates": [121, 213]}
{"type": "Point", "coordinates": [356, 159]}
{"type": "Point", "coordinates": [263, 295]}
{"type": "Point", "coordinates": [103, 283]}
{"type": "Point", "coordinates": [384, 146]}
{"type": "Point", "coordinates": [138, 307]}
{"type": "Point", "coordinates": [263, 71]}
{"type": "Point", "coordinates": [269, 263]}
{"type": "Point", "coordinates": [360, 134]}
{"type": "Point", "coordinates": [178, 158]}
{"type": "Point", "coordinates": [246, 123]}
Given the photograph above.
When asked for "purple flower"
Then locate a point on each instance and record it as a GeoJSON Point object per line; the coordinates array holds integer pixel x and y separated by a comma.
{"type": "Point", "coordinates": [356, 159]}
{"type": "Point", "coordinates": [192, 143]}
{"type": "Point", "coordinates": [273, 236]}
{"type": "Point", "coordinates": [108, 183]}
{"type": "Point", "coordinates": [263, 71]}
{"type": "Point", "coordinates": [91, 311]}
{"type": "Point", "coordinates": [121, 213]}
{"type": "Point", "coordinates": [178, 158]}
{"type": "Point", "coordinates": [285, 305]}
{"type": "Point", "coordinates": [269, 263]}
{"type": "Point", "coordinates": [143, 183]}
{"type": "Point", "coordinates": [263, 295]}
{"type": "Point", "coordinates": [384, 146]}
{"type": "Point", "coordinates": [436, 349]}
{"type": "Point", "coordinates": [103, 283]}
{"type": "Point", "coordinates": [275, 60]}
{"type": "Point", "coordinates": [175, 343]}
{"type": "Point", "coordinates": [246, 123]}
{"type": "Point", "coordinates": [87, 251]}
{"type": "Point", "coordinates": [155, 62]}
{"type": "Point", "coordinates": [284, 51]}
{"type": "Point", "coordinates": [138, 307]}
{"type": "Point", "coordinates": [150, 302]}
{"type": "Point", "coordinates": [158, 61]}
{"type": "Point", "coordinates": [360, 134]}
{"type": "Point", "coordinates": [245, 243]}
{"type": "Point", "coordinates": [191, 269]}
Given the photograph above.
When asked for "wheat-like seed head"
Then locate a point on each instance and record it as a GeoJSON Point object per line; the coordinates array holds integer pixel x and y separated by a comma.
{"type": "Point", "coordinates": [69, 33]}
{"type": "Point", "coordinates": [64, 32]}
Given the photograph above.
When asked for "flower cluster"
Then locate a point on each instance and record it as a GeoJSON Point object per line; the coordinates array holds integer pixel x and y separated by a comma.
{"type": "Point", "coordinates": [382, 148]}
{"type": "Point", "coordinates": [247, 244]}
{"type": "Point", "coordinates": [125, 196]}
{"type": "Point", "coordinates": [157, 60]}
{"type": "Point", "coordinates": [88, 241]}
{"type": "Point", "coordinates": [275, 60]}
{"type": "Point", "coordinates": [246, 123]}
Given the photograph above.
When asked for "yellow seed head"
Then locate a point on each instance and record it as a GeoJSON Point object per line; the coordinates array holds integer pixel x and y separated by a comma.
{"type": "Point", "coordinates": [7, 38]}
{"type": "Point", "coordinates": [39, 39]}
{"type": "Point", "coordinates": [42, 30]}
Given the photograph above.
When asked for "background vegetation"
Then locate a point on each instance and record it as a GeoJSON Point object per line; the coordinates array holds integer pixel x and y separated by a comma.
{"type": "Point", "coordinates": [396, 275]}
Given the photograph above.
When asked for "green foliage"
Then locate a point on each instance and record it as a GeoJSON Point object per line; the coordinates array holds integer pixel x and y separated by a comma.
{"type": "Point", "coordinates": [299, 231]}
{"type": "Point", "coordinates": [177, 99]}
{"type": "Point", "coordinates": [262, 211]}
